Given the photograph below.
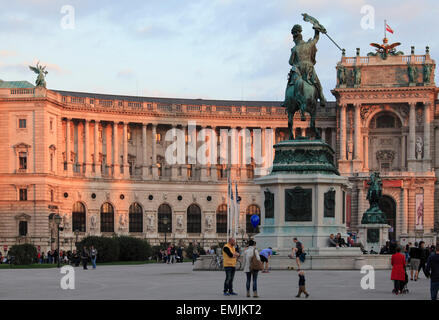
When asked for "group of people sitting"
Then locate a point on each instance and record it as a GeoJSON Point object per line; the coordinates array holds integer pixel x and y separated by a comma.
{"type": "Point", "coordinates": [338, 241]}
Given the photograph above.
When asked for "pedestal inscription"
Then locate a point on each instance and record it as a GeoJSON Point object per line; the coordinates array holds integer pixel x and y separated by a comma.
{"type": "Point", "coordinates": [298, 204]}
{"type": "Point", "coordinates": [329, 203]}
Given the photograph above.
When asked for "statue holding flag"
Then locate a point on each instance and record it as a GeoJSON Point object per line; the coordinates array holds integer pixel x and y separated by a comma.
{"type": "Point", "coordinates": [303, 86]}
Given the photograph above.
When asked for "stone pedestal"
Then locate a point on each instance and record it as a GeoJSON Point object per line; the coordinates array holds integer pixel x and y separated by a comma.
{"type": "Point", "coordinates": [373, 236]}
{"type": "Point", "coordinates": [307, 197]}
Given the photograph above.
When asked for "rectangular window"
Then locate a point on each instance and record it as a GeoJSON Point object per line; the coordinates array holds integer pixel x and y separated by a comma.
{"type": "Point", "coordinates": [22, 228]}
{"type": "Point", "coordinates": [22, 161]}
{"type": "Point", "coordinates": [51, 125]}
{"type": "Point", "coordinates": [22, 123]}
{"type": "Point", "coordinates": [23, 194]}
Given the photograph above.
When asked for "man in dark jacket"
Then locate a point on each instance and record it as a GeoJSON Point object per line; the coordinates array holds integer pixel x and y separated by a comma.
{"type": "Point", "coordinates": [432, 269]}
{"type": "Point", "coordinates": [425, 253]}
{"type": "Point", "coordinates": [84, 256]}
{"type": "Point", "coordinates": [415, 260]}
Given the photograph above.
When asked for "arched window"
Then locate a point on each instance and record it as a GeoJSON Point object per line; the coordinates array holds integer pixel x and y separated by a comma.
{"type": "Point", "coordinates": [165, 212]}
{"type": "Point", "coordinates": [193, 219]}
{"type": "Point", "coordinates": [221, 219]}
{"type": "Point", "coordinates": [136, 218]}
{"type": "Point", "coordinates": [251, 210]}
{"type": "Point", "coordinates": [107, 218]}
{"type": "Point", "coordinates": [78, 217]}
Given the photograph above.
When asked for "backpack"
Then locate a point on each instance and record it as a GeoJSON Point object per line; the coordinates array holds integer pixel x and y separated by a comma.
{"type": "Point", "coordinates": [255, 264]}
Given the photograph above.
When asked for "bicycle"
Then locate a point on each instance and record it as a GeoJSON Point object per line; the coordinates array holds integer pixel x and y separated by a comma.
{"type": "Point", "coordinates": [216, 263]}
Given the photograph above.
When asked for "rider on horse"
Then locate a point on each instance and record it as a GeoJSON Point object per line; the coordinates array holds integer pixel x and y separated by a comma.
{"type": "Point", "coordinates": [303, 58]}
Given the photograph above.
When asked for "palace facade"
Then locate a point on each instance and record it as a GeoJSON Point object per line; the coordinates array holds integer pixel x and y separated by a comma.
{"type": "Point", "coordinates": [99, 161]}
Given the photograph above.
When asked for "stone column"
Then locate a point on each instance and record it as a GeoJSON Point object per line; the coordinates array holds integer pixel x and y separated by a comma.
{"type": "Point", "coordinates": [213, 154]}
{"type": "Point", "coordinates": [436, 141]}
{"type": "Point", "coordinates": [144, 153]}
{"type": "Point", "coordinates": [96, 164]}
{"type": "Point", "coordinates": [174, 167]}
{"type": "Point", "coordinates": [203, 167]}
{"type": "Point", "coordinates": [87, 148]}
{"type": "Point", "coordinates": [184, 167]}
{"type": "Point", "coordinates": [334, 138]}
{"type": "Point", "coordinates": [427, 124]}
{"type": "Point", "coordinates": [323, 134]}
{"type": "Point", "coordinates": [155, 172]}
{"type": "Point", "coordinates": [68, 149]}
{"type": "Point", "coordinates": [234, 156]}
{"type": "Point", "coordinates": [357, 128]}
{"type": "Point", "coordinates": [366, 153]}
{"type": "Point", "coordinates": [403, 151]}
{"type": "Point", "coordinates": [126, 169]}
{"type": "Point", "coordinates": [343, 132]}
{"type": "Point", "coordinates": [405, 211]}
{"type": "Point", "coordinates": [242, 160]}
{"type": "Point", "coordinates": [116, 162]}
{"type": "Point", "coordinates": [412, 131]}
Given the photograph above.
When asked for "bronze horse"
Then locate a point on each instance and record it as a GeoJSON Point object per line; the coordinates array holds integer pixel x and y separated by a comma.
{"type": "Point", "coordinates": [300, 96]}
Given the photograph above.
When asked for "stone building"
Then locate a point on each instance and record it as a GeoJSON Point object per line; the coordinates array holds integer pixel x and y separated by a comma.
{"type": "Point", "coordinates": [100, 160]}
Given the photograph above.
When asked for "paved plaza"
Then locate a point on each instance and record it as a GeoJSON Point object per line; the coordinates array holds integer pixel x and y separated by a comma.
{"type": "Point", "coordinates": [162, 281]}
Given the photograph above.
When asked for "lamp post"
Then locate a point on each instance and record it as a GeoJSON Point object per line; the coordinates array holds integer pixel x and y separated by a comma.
{"type": "Point", "coordinates": [76, 232]}
{"type": "Point", "coordinates": [58, 222]}
{"type": "Point", "coordinates": [165, 221]}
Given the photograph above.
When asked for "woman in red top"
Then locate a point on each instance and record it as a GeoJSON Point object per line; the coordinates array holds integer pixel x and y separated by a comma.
{"type": "Point", "coordinates": [398, 271]}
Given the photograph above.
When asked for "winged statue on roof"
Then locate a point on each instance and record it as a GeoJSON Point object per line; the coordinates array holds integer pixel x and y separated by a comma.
{"type": "Point", "coordinates": [41, 72]}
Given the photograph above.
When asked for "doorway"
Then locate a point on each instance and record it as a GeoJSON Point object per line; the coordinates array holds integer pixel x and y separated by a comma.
{"type": "Point", "coordinates": [388, 206]}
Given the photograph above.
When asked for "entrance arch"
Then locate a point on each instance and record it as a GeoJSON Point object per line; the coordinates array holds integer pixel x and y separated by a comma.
{"type": "Point", "coordinates": [388, 206]}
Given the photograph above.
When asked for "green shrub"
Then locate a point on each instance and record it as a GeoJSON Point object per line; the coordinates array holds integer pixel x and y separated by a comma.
{"type": "Point", "coordinates": [190, 250]}
{"type": "Point", "coordinates": [133, 249]}
{"type": "Point", "coordinates": [108, 248]}
{"type": "Point", "coordinates": [121, 248]}
{"type": "Point", "coordinates": [23, 253]}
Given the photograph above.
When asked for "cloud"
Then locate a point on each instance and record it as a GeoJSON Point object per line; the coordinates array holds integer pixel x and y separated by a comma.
{"type": "Point", "coordinates": [126, 73]}
{"type": "Point", "coordinates": [7, 53]}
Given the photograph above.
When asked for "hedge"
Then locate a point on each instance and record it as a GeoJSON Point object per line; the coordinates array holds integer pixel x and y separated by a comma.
{"type": "Point", "coordinates": [121, 248]}
{"type": "Point", "coordinates": [108, 248]}
{"type": "Point", "coordinates": [23, 253]}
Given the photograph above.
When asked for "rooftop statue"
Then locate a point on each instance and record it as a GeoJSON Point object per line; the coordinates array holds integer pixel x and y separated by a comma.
{"type": "Point", "coordinates": [303, 86]}
{"type": "Point", "coordinates": [41, 72]}
{"type": "Point", "coordinates": [383, 50]}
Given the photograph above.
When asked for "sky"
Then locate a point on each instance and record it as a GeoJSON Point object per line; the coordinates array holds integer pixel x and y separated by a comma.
{"type": "Point", "coordinates": [208, 49]}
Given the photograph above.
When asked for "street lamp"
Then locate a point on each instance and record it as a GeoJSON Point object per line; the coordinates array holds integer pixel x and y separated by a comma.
{"type": "Point", "coordinates": [76, 232]}
{"type": "Point", "coordinates": [165, 221]}
{"type": "Point", "coordinates": [58, 222]}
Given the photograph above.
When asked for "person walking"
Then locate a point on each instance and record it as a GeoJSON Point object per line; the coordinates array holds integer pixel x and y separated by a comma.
{"type": "Point", "coordinates": [432, 269]}
{"type": "Point", "coordinates": [297, 251]}
{"type": "Point", "coordinates": [415, 260]}
{"type": "Point", "coordinates": [229, 262]}
{"type": "Point", "coordinates": [251, 268]}
{"type": "Point", "coordinates": [84, 256]}
{"type": "Point", "coordinates": [302, 288]}
{"type": "Point", "coordinates": [424, 254]}
{"type": "Point", "coordinates": [265, 256]}
{"type": "Point", "coordinates": [194, 254]}
{"type": "Point", "coordinates": [398, 270]}
{"type": "Point", "coordinates": [94, 255]}
{"type": "Point", "coordinates": [173, 253]}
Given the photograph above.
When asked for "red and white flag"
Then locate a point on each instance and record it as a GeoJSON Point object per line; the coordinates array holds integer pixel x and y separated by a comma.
{"type": "Point", "coordinates": [388, 28]}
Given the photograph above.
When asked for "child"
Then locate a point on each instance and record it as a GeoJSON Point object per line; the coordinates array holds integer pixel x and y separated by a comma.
{"type": "Point", "coordinates": [302, 284]}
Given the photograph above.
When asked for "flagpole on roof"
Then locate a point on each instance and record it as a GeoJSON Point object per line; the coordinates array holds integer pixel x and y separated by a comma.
{"type": "Point", "coordinates": [385, 23]}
